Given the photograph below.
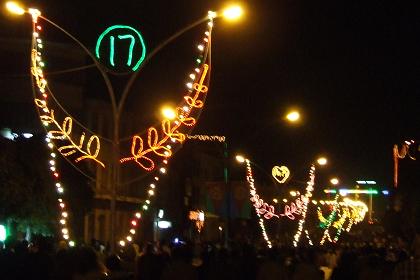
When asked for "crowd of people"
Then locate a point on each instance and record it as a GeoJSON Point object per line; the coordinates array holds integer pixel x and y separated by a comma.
{"type": "Point", "coordinates": [381, 259]}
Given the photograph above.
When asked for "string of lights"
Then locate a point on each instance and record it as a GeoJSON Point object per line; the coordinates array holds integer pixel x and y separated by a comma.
{"type": "Point", "coordinates": [158, 140]}
{"type": "Point", "coordinates": [253, 191]}
{"type": "Point", "coordinates": [308, 195]}
{"type": "Point", "coordinates": [41, 82]}
{"type": "Point", "coordinates": [200, 137]}
{"type": "Point", "coordinates": [170, 132]}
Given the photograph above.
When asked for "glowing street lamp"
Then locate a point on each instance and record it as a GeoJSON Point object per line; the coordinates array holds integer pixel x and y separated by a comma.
{"type": "Point", "coordinates": [14, 8]}
{"type": "Point", "coordinates": [240, 159]}
{"type": "Point", "coordinates": [232, 13]}
{"type": "Point", "coordinates": [322, 161]}
{"type": "Point", "coordinates": [334, 181]}
{"type": "Point", "coordinates": [293, 116]}
{"type": "Point", "coordinates": [168, 113]}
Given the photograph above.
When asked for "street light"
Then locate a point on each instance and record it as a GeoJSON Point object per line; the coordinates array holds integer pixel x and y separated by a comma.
{"type": "Point", "coordinates": [293, 116]}
{"type": "Point", "coordinates": [322, 161]}
{"type": "Point", "coordinates": [240, 158]}
{"type": "Point", "coordinates": [232, 13]}
{"type": "Point", "coordinates": [334, 181]}
{"type": "Point", "coordinates": [15, 8]}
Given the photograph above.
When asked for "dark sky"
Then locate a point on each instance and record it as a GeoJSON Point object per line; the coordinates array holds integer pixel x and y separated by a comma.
{"type": "Point", "coordinates": [352, 67]}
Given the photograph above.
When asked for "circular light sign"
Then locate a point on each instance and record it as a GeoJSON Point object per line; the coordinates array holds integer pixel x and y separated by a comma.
{"type": "Point", "coordinates": [123, 45]}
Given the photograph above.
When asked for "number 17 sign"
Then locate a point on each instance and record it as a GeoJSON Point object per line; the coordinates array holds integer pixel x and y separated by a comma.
{"type": "Point", "coordinates": [121, 47]}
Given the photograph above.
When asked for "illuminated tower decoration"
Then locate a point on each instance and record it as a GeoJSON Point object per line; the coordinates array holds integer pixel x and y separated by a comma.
{"type": "Point", "coordinates": [152, 151]}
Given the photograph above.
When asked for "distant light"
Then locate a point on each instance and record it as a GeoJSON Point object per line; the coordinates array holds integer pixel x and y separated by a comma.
{"type": "Point", "coordinates": [371, 182]}
{"type": "Point", "coordinates": [201, 216]}
{"type": "Point", "coordinates": [27, 135]}
{"type": "Point", "coordinates": [122, 243]}
{"type": "Point", "coordinates": [169, 113]}
{"type": "Point", "coordinates": [72, 243]}
{"type": "Point", "coordinates": [293, 193]}
{"type": "Point", "coordinates": [361, 182]}
{"type": "Point", "coordinates": [334, 181]}
{"type": "Point", "coordinates": [285, 200]}
{"type": "Point", "coordinates": [293, 116]}
{"type": "Point", "coordinates": [220, 228]}
{"type": "Point", "coordinates": [14, 8]}
{"type": "Point", "coordinates": [160, 213]}
{"type": "Point", "coordinates": [330, 191]}
{"type": "Point", "coordinates": [322, 161]}
{"type": "Point", "coordinates": [344, 192]}
{"type": "Point", "coordinates": [385, 192]}
{"type": "Point", "coordinates": [176, 240]}
{"type": "Point", "coordinates": [3, 233]}
{"type": "Point", "coordinates": [232, 13]}
{"type": "Point", "coordinates": [240, 158]}
{"type": "Point", "coordinates": [164, 224]}
{"type": "Point", "coordinates": [275, 200]}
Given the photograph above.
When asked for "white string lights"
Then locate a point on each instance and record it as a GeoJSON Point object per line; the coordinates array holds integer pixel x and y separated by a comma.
{"type": "Point", "coordinates": [253, 191]}
{"type": "Point", "coordinates": [308, 195]}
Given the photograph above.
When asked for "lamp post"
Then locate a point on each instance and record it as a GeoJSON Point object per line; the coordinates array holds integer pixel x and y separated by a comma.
{"type": "Point", "coordinates": [230, 13]}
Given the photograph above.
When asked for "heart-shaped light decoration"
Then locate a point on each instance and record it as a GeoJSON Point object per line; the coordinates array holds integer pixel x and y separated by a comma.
{"type": "Point", "coordinates": [280, 173]}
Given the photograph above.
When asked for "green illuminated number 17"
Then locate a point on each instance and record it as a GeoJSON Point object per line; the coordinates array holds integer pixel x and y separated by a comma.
{"type": "Point", "coordinates": [130, 51]}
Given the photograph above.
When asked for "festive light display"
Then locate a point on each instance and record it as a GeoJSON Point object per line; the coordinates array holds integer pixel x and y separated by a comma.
{"type": "Point", "coordinates": [349, 210]}
{"type": "Point", "coordinates": [160, 146]}
{"type": "Point", "coordinates": [61, 132]}
{"type": "Point", "coordinates": [400, 154]}
{"type": "Point", "coordinates": [128, 33]}
{"type": "Point", "coordinates": [295, 208]}
{"type": "Point", "coordinates": [267, 209]}
{"type": "Point", "coordinates": [64, 130]}
{"type": "Point", "coordinates": [198, 217]}
{"type": "Point", "coordinates": [280, 173]}
{"type": "Point", "coordinates": [200, 137]}
{"type": "Point", "coordinates": [308, 195]}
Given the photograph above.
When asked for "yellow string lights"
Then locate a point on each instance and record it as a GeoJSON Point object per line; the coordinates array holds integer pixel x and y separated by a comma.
{"type": "Point", "coordinates": [64, 131]}
{"type": "Point", "coordinates": [200, 137]}
{"type": "Point", "coordinates": [158, 144]}
{"type": "Point", "coordinates": [59, 132]}
{"type": "Point", "coordinates": [308, 195]}
{"type": "Point", "coordinates": [353, 211]}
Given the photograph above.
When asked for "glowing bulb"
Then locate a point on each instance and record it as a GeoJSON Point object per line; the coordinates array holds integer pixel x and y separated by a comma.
{"type": "Point", "coordinates": [138, 215]}
{"type": "Point", "coordinates": [192, 76]}
{"type": "Point", "coordinates": [134, 223]}
{"type": "Point", "coordinates": [162, 170]}
{"type": "Point", "coordinates": [62, 221]}
{"type": "Point", "coordinates": [334, 181]}
{"type": "Point", "coordinates": [132, 231]}
{"type": "Point", "coordinates": [189, 85]}
{"type": "Point", "coordinates": [53, 155]}
{"type": "Point", "coordinates": [129, 238]}
{"type": "Point", "coordinates": [147, 201]}
{"type": "Point", "coordinates": [152, 186]}
{"type": "Point", "coordinates": [145, 207]}
{"type": "Point", "coordinates": [275, 200]}
{"type": "Point", "coordinates": [14, 8]}
{"type": "Point", "coordinates": [72, 243]}
{"type": "Point", "coordinates": [240, 158]}
{"type": "Point", "coordinates": [233, 13]}
{"type": "Point", "coordinates": [322, 161]}
{"type": "Point", "coordinates": [151, 192]}
{"type": "Point", "coordinates": [200, 47]}
{"type": "Point", "coordinates": [64, 214]}
{"type": "Point", "coordinates": [293, 116]}
{"type": "Point", "coordinates": [65, 236]}
{"type": "Point", "coordinates": [60, 190]}
{"type": "Point", "coordinates": [169, 113]}
{"type": "Point", "coordinates": [65, 231]}
{"type": "Point", "coordinates": [122, 243]}
{"type": "Point", "coordinates": [52, 162]}
{"type": "Point", "coordinates": [212, 14]}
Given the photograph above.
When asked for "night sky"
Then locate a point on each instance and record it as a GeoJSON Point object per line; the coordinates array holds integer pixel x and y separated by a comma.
{"type": "Point", "coordinates": [351, 67]}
